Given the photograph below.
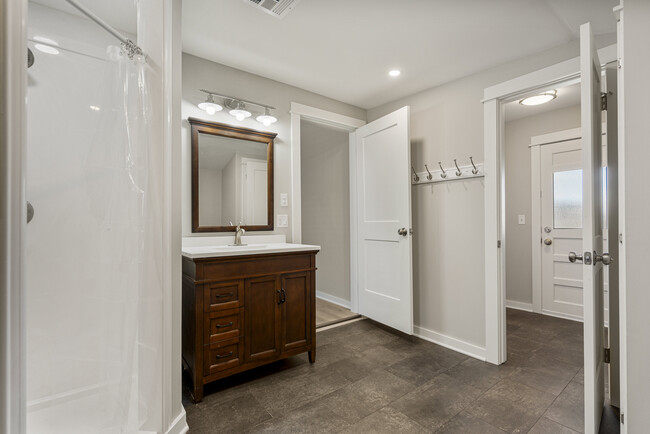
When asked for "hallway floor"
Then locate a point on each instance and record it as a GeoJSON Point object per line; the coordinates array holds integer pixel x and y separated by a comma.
{"type": "Point", "coordinates": [369, 380]}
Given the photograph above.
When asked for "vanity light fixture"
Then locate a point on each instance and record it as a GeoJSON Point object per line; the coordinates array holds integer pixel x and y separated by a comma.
{"type": "Point", "coordinates": [237, 107]}
{"type": "Point", "coordinates": [209, 106]}
{"type": "Point", "coordinates": [538, 99]}
{"type": "Point", "coordinates": [266, 119]}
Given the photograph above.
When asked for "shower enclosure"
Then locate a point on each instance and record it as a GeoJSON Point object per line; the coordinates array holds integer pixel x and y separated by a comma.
{"type": "Point", "coordinates": [94, 278]}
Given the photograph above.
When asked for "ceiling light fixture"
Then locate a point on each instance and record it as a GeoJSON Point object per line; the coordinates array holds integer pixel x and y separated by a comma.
{"type": "Point", "coordinates": [266, 119]}
{"type": "Point", "coordinates": [394, 73]}
{"type": "Point", "coordinates": [209, 106]}
{"type": "Point", "coordinates": [538, 99]}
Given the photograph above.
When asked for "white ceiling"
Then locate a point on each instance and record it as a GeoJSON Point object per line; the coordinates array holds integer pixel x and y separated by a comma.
{"type": "Point", "coordinates": [566, 96]}
{"type": "Point", "coordinates": [343, 49]}
{"type": "Point", "coordinates": [121, 14]}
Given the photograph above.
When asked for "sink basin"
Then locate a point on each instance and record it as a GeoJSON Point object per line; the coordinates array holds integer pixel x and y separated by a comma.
{"type": "Point", "coordinates": [222, 250]}
{"type": "Point", "coordinates": [230, 248]}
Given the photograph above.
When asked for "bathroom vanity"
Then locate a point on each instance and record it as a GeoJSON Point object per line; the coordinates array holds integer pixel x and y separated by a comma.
{"type": "Point", "coordinates": [245, 306]}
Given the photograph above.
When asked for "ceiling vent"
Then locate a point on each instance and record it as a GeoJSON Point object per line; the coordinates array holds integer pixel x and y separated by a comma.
{"type": "Point", "coordinates": [277, 8]}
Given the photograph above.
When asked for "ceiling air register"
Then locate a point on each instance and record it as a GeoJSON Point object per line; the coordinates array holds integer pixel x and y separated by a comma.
{"type": "Point", "coordinates": [277, 8]}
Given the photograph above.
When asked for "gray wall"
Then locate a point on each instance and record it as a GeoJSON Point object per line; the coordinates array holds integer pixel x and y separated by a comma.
{"type": "Point", "coordinates": [198, 74]}
{"type": "Point", "coordinates": [448, 218]}
{"type": "Point", "coordinates": [517, 136]}
{"type": "Point", "coordinates": [324, 154]}
{"type": "Point", "coordinates": [636, 64]}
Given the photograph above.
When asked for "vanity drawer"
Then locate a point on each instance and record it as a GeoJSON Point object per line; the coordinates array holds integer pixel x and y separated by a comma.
{"type": "Point", "coordinates": [223, 295]}
{"type": "Point", "coordinates": [222, 325]}
{"type": "Point", "coordinates": [221, 356]}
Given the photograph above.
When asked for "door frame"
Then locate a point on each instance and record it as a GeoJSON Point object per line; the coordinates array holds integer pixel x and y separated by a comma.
{"type": "Point", "coordinates": [343, 122]}
{"type": "Point", "coordinates": [494, 98]}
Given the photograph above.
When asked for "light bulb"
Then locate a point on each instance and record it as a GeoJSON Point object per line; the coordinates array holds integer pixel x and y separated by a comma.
{"type": "Point", "coordinates": [239, 112]}
{"type": "Point", "coordinates": [209, 106]}
{"type": "Point", "coordinates": [239, 116]}
{"type": "Point", "coordinates": [210, 110]}
{"type": "Point", "coordinates": [266, 119]}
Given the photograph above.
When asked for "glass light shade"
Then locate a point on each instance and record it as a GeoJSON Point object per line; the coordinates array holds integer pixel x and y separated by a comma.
{"type": "Point", "coordinates": [209, 106]}
{"type": "Point", "coordinates": [539, 99]}
{"type": "Point", "coordinates": [266, 119]}
{"type": "Point", "coordinates": [240, 114]}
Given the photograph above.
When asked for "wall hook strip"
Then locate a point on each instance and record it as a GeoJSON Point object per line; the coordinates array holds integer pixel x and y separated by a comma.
{"type": "Point", "coordinates": [474, 170]}
{"type": "Point", "coordinates": [415, 175]}
{"type": "Point", "coordinates": [443, 175]}
{"type": "Point", "coordinates": [458, 172]}
{"type": "Point", "coordinates": [429, 176]}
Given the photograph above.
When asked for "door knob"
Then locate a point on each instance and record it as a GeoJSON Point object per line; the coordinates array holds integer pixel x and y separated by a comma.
{"type": "Point", "coordinates": [605, 258]}
{"type": "Point", "coordinates": [402, 231]}
{"type": "Point", "coordinates": [548, 241]}
{"type": "Point", "coordinates": [574, 257]}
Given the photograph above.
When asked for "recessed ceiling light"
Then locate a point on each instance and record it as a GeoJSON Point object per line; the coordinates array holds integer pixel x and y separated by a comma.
{"type": "Point", "coordinates": [46, 49]}
{"type": "Point", "coordinates": [394, 72]}
{"type": "Point", "coordinates": [45, 40]}
{"type": "Point", "coordinates": [541, 98]}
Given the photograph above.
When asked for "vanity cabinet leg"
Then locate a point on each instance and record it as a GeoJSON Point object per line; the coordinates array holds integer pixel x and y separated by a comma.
{"type": "Point", "coordinates": [198, 394]}
{"type": "Point", "coordinates": [312, 355]}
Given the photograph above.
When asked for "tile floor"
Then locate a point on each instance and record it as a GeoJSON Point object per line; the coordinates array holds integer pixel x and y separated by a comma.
{"type": "Point", "coordinates": [369, 380]}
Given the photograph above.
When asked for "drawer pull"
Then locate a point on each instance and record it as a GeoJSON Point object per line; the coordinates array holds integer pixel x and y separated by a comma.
{"type": "Point", "coordinates": [219, 326]}
{"type": "Point", "coordinates": [230, 294]}
{"type": "Point", "coordinates": [221, 356]}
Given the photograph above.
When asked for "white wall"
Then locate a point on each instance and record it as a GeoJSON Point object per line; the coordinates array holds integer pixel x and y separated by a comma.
{"type": "Point", "coordinates": [636, 65]}
{"type": "Point", "coordinates": [203, 74]}
{"type": "Point", "coordinates": [448, 218]}
{"type": "Point", "coordinates": [210, 187]}
{"type": "Point", "coordinates": [324, 154]}
{"type": "Point", "coordinates": [517, 136]}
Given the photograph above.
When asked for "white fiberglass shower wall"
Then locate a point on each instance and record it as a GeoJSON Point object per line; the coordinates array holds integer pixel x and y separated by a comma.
{"type": "Point", "coordinates": [90, 325]}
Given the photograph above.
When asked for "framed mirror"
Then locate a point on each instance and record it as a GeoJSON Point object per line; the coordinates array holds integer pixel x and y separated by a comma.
{"type": "Point", "coordinates": [232, 177]}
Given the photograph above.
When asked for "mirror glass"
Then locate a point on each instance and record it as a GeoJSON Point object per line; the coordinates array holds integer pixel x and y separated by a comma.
{"type": "Point", "coordinates": [231, 178]}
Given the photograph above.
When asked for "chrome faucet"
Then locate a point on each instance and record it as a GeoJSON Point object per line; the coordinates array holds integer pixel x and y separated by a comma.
{"type": "Point", "coordinates": [239, 231]}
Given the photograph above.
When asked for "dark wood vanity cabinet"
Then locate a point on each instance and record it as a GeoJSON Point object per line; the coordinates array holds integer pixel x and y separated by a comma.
{"type": "Point", "coordinates": [240, 312]}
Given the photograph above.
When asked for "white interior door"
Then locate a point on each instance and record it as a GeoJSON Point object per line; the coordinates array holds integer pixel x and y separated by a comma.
{"type": "Point", "coordinates": [592, 256]}
{"type": "Point", "coordinates": [561, 232]}
{"type": "Point", "coordinates": [255, 181]}
{"type": "Point", "coordinates": [385, 281]}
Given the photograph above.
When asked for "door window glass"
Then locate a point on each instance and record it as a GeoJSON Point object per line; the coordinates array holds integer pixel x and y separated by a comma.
{"type": "Point", "coordinates": [567, 199]}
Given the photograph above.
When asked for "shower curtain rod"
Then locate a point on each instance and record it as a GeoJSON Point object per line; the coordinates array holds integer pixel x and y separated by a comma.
{"type": "Point", "coordinates": [128, 45]}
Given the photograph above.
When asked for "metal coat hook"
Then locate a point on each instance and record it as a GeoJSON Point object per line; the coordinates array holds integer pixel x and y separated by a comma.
{"type": "Point", "coordinates": [474, 170]}
{"type": "Point", "coordinates": [443, 174]}
{"type": "Point", "coordinates": [416, 177]}
{"type": "Point", "coordinates": [429, 176]}
{"type": "Point", "coordinates": [458, 172]}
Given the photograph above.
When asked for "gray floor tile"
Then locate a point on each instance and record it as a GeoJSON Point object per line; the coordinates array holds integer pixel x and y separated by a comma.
{"type": "Point", "coordinates": [386, 421]}
{"type": "Point", "coordinates": [310, 418]}
{"type": "Point", "coordinates": [511, 406]}
{"type": "Point", "coordinates": [237, 415]}
{"type": "Point", "coordinates": [466, 423]}
{"type": "Point", "coordinates": [418, 370]}
{"type": "Point", "coordinates": [434, 403]}
{"type": "Point", "coordinates": [545, 374]}
{"type": "Point", "coordinates": [568, 409]}
{"type": "Point", "coordinates": [547, 426]}
{"type": "Point", "coordinates": [481, 375]}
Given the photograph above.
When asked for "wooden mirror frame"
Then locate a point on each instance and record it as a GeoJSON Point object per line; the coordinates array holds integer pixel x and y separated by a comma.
{"type": "Point", "coordinates": [225, 130]}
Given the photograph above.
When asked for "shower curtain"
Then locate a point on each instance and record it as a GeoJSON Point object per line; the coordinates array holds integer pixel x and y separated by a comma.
{"type": "Point", "coordinates": [124, 189]}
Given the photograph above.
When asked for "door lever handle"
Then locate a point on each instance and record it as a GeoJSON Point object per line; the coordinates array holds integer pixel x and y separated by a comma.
{"type": "Point", "coordinates": [573, 257]}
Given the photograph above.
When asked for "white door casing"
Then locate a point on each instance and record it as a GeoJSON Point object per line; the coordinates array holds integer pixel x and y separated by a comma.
{"type": "Point", "coordinates": [383, 209]}
{"type": "Point", "coordinates": [254, 186]}
{"type": "Point", "coordinates": [592, 230]}
{"type": "Point", "coordinates": [561, 228]}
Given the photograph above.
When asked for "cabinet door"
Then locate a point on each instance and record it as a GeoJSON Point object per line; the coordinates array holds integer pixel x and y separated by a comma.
{"type": "Point", "coordinates": [262, 331]}
{"type": "Point", "coordinates": [296, 310]}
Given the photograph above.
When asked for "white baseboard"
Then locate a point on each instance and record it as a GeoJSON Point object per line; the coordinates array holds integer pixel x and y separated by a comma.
{"type": "Point", "coordinates": [333, 299]}
{"type": "Point", "coordinates": [519, 305]}
{"type": "Point", "coordinates": [451, 343]}
{"type": "Point", "coordinates": [179, 426]}
{"type": "Point", "coordinates": [562, 315]}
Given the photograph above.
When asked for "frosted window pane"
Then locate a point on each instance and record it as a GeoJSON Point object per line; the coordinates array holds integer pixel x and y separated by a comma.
{"type": "Point", "coordinates": [567, 199]}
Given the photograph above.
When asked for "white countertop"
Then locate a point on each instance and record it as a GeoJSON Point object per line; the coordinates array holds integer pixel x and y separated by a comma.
{"type": "Point", "coordinates": [215, 247]}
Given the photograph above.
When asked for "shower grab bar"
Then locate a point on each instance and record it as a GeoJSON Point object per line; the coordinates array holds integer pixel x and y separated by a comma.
{"type": "Point", "coordinates": [128, 45]}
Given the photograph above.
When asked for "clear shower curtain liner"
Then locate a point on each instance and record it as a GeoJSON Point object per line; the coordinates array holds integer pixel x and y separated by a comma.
{"type": "Point", "coordinates": [124, 187]}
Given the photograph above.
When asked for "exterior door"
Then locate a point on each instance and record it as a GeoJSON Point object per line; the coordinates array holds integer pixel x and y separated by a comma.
{"type": "Point", "coordinates": [592, 256]}
{"type": "Point", "coordinates": [561, 207]}
{"type": "Point", "coordinates": [385, 281]}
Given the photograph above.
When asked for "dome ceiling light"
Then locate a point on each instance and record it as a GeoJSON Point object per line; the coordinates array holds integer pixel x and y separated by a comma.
{"type": "Point", "coordinates": [540, 98]}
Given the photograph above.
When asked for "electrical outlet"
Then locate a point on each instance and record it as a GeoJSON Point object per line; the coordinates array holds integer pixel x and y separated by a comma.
{"type": "Point", "coordinates": [284, 200]}
{"type": "Point", "coordinates": [283, 221]}
{"type": "Point", "coordinates": [522, 219]}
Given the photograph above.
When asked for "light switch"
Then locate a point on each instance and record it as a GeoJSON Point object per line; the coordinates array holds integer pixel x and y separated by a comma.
{"type": "Point", "coordinates": [284, 200]}
{"type": "Point", "coordinates": [522, 219]}
{"type": "Point", "coordinates": [283, 220]}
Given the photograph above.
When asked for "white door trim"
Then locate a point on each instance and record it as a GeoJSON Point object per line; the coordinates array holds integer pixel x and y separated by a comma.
{"type": "Point", "coordinates": [494, 98]}
{"type": "Point", "coordinates": [536, 142]}
{"type": "Point", "coordinates": [347, 123]}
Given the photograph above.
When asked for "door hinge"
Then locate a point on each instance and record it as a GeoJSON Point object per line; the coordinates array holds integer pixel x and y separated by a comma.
{"type": "Point", "coordinates": [623, 418]}
{"type": "Point", "coordinates": [607, 355]}
{"type": "Point", "coordinates": [603, 101]}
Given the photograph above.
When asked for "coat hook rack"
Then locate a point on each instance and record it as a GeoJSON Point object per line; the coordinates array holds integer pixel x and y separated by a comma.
{"type": "Point", "coordinates": [415, 175]}
{"type": "Point", "coordinates": [458, 172]}
{"type": "Point", "coordinates": [474, 170]}
{"type": "Point", "coordinates": [429, 176]}
{"type": "Point", "coordinates": [443, 175]}
{"type": "Point", "coordinates": [463, 173]}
